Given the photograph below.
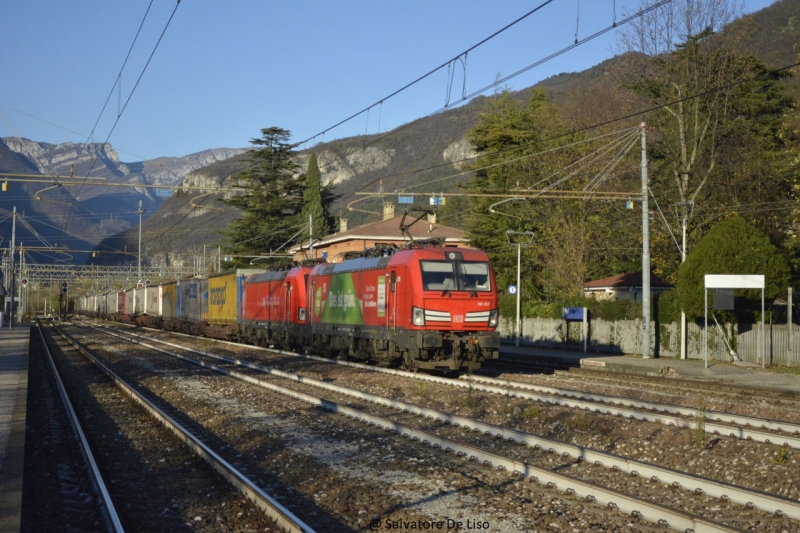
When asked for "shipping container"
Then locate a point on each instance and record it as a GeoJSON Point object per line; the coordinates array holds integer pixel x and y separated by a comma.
{"type": "Point", "coordinates": [121, 297]}
{"type": "Point", "coordinates": [153, 301]}
{"type": "Point", "coordinates": [190, 302]}
{"type": "Point", "coordinates": [140, 299]}
{"type": "Point", "coordinates": [204, 298]}
{"type": "Point", "coordinates": [170, 293]}
{"type": "Point", "coordinates": [225, 295]}
{"type": "Point", "coordinates": [128, 302]}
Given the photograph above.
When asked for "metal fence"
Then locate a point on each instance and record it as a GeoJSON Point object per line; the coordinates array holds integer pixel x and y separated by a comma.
{"type": "Point", "coordinates": [625, 337]}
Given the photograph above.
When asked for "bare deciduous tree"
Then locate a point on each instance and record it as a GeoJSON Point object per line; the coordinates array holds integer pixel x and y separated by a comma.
{"type": "Point", "coordinates": [675, 58]}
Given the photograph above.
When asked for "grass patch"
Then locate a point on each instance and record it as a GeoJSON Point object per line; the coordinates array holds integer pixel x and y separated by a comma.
{"type": "Point", "coordinates": [532, 412]}
{"type": "Point", "coordinates": [700, 425]}
{"type": "Point", "coordinates": [537, 413]}
{"type": "Point", "coordinates": [470, 390]}
{"type": "Point", "coordinates": [781, 456]}
{"type": "Point", "coordinates": [794, 370]}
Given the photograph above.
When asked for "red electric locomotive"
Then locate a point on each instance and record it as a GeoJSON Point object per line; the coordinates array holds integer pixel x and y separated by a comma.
{"type": "Point", "coordinates": [273, 307]}
{"type": "Point", "coordinates": [424, 308]}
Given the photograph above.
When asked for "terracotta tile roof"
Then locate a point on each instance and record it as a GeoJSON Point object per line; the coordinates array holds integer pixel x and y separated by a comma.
{"type": "Point", "coordinates": [624, 281]}
{"type": "Point", "coordinates": [390, 230]}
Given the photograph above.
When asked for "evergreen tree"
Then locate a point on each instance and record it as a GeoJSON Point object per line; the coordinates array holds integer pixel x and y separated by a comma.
{"type": "Point", "coordinates": [731, 247]}
{"type": "Point", "coordinates": [314, 201]}
{"type": "Point", "coordinates": [273, 202]}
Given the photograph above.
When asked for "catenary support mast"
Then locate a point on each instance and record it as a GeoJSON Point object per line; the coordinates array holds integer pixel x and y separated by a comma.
{"type": "Point", "coordinates": [645, 250]}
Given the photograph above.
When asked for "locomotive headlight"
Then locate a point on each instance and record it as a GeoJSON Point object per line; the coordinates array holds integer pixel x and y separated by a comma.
{"type": "Point", "coordinates": [494, 317]}
{"type": "Point", "coordinates": [301, 314]}
{"type": "Point", "coordinates": [418, 316]}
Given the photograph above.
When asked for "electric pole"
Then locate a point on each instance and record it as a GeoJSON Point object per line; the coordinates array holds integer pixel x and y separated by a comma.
{"type": "Point", "coordinates": [685, 206]}
{"type": "Point", "coordinates": [140, 212]}
{"type": "Point", "coordinates": [645, 250]}
{"type": "Point", "coordinates": [519, 244]}
{"type": "Point", "coordinates": [13, 240]}
{"type": "Point", "coordinates": [311, 235]}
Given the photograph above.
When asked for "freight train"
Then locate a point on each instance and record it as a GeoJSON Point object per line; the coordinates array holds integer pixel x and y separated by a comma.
{"type": "Point", "coordinates": [423, 307]}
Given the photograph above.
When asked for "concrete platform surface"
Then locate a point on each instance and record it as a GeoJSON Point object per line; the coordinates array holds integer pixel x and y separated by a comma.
{"type": "Point", "coordinates": [13, 407]}
{"type": "Point", "coordinates": [745, 374]}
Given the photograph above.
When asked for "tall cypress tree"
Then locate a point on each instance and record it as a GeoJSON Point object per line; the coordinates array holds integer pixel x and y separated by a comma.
{"type": "Point", "coordinates": [316, 200]}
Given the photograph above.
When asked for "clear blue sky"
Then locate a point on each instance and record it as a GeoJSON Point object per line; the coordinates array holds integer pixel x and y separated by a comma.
{"type": "Point", "coordinates": [226, 69]}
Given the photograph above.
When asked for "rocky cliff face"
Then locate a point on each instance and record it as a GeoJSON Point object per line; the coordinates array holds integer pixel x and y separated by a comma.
{"type": "Point", "coordinates": [58, 158]}
{"type": "Point", "coordinates": [459, 151]}
{"type": "Point", "coordinates": [336, 168]}
{"type": "Point", "coordinates": [173, 170]}
{"type": "Point", "coordinates": [103, 161]}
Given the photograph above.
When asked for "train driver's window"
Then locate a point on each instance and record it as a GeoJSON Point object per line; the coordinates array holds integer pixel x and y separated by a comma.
{"type": "Point", "coordinates": [437, 275]}
{"type": "Point", "coordinates": [475, 277]}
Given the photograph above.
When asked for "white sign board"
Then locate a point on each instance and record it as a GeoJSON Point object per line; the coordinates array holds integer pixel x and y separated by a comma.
{"type": "Point", "coordinates": [734, 281]}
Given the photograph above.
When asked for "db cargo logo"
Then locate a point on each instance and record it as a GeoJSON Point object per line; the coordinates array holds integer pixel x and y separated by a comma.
{"type": "Point", "coordinates": [216, 296]}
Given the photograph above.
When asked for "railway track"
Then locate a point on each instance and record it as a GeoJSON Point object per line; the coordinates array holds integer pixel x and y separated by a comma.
{"type": "Point", "coordinates": [574, 373]}
{"type": "Point", "coordinates": [157, 466]}
{"type": "Point", "coordinates": [573, 457]}
{"type": "Point", "coordinates": [57, 449]}
{"type": "Point", "coordinates": [782, 433]}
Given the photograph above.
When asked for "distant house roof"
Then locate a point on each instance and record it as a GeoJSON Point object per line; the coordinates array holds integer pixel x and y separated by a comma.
{"type": "Point", "coordinates": [389, 230]}
{"type": "Point", "coordinates": [625, 281]}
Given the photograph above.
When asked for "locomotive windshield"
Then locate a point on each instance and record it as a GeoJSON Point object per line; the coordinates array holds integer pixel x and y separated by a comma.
{"type": "Point", "coordinates": [455, 276]}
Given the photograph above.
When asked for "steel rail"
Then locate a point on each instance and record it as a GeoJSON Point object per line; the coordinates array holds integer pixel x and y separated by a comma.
{"type": "Point", "coordinates": [283, 517]}
{"type": "Point", "coordinates": [779, 395]}
{"type": "Point", "coordinates": [603, 373]}
{"type": "Point", "coordinates": [719, 416]}
{"type": "Point", "coordinates": [653, 512]}
{"type": "Point", "coordinates": [109, 511]}
{"type": "Point", "coordinates": [737, 494]}
{"type": "Point", "coordinates": [709, 426]}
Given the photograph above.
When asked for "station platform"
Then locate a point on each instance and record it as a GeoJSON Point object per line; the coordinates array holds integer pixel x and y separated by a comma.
{"type": "Point", "coordinates": [744, 374]}
{"type": "Point", "coordinates": [13, 409]}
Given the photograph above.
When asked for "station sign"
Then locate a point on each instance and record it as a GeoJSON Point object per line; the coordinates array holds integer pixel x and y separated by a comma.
{"type": "Point", "coordinates": [573, 313]}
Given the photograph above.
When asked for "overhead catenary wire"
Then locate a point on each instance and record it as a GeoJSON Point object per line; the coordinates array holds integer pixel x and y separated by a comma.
{"type": "Point", "coordinates": [514, 160]}
{"type": "Point", "coordinates": [118, 149]}
{"type": "Point", "coordinates": [430, 72]}
{"type": "Point", "coordinates": [118, 80]}
{"type": "Point", "coordinates": [623, 118]}
{"type": "Point", "coordinates": [127, 101]}
{"type": "Point", "coordinates": [496, 83]}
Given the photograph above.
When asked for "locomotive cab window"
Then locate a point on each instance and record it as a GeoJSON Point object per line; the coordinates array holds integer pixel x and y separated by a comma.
{"type": "Point", "coordinates": [437, 275]}
{"type": "Point", "coordinates": [475, 277]}
{"type": "Point", "coordinates": [455, 276]}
